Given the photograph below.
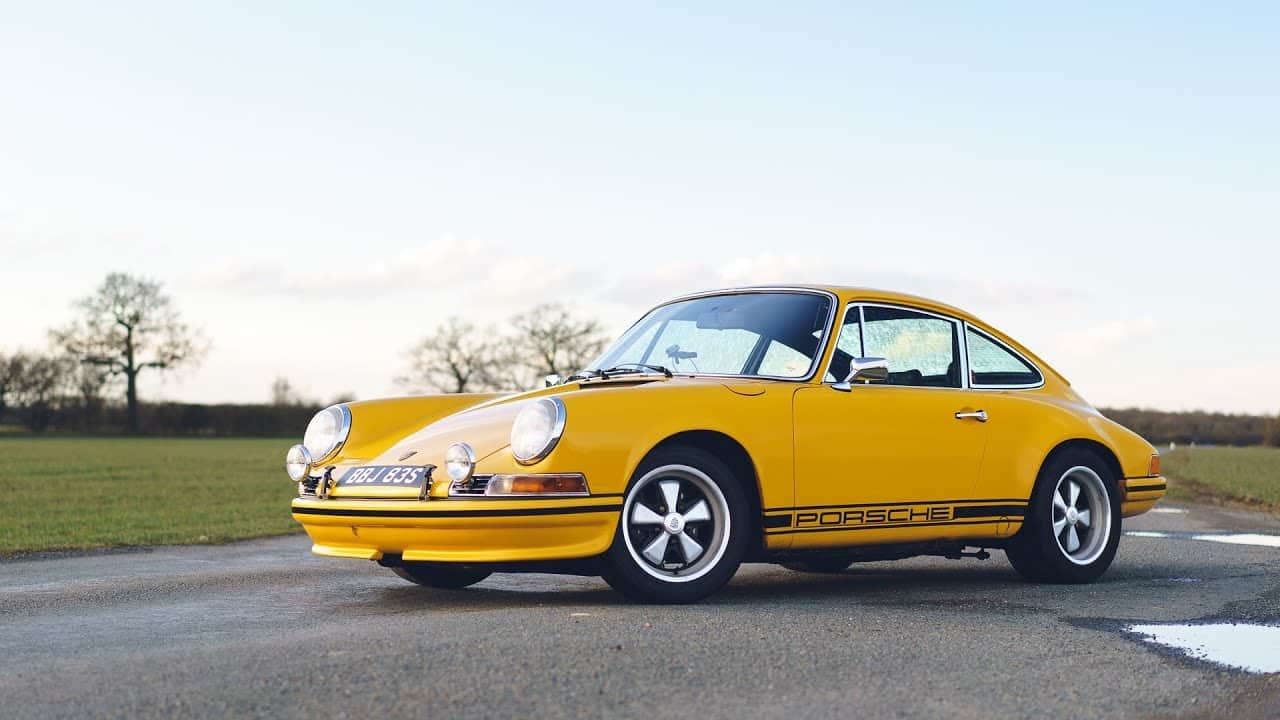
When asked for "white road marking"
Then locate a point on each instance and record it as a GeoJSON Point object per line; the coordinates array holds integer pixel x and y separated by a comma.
{"type": "Point", "coordinates": [1257, 539]}
{"type": "Point", "coordinates": [1244, 539]}
{"type": "Point", "coordinates": [1168, 511]}
{"type": "Point", "coordinates": [1252, 648]}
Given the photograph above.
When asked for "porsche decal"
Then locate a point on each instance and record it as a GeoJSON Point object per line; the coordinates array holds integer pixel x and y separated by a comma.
{"type": "Point", "coordinates": [857, 517]}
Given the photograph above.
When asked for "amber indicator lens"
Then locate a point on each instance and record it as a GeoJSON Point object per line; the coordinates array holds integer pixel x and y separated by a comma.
{"type": "Point", "coordinates": [1155, 466]}
{"type": "Point", "coordinates": [565, 484]}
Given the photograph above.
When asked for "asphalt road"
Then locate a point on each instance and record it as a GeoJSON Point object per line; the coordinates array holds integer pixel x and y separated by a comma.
{"type": "Point", "coordinates": [264, 629]}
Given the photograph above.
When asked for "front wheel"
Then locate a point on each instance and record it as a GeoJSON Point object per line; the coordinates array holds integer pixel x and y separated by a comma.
{"type": "Point", "coordinates": [439, 576]}
{"type": "Point", "coordinates": [1072, 528]}
{"type": "Point", "coordinates": [683, 529]}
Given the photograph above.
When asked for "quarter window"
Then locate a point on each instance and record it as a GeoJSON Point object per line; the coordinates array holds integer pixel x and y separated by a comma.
{"type": "Point", "coordinates": [922, 350]}
{"type": "Point", "coordinates": [848, 346]}
{"type": "Point", "coordinates": [993, 364]}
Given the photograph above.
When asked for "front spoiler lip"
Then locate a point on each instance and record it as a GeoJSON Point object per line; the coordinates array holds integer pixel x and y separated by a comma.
{"type": "Point", "coordinates": [462, 531]}
{"type": "Point", "coordinates": [404, 511]}
{"type": "Point", "coordinates": [418, 512]}
{"type": "Point", "coordinates": [1146, 484]}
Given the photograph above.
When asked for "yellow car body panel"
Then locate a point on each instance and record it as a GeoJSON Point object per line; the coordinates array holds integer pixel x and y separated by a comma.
{"type": "Point", "coordinates": [879, 464]}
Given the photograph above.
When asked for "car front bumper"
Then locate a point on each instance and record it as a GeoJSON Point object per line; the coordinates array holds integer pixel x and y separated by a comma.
{"type": "Point", "coordinates": [461, 531]}
{"type": "Point", "coordinates": [1141, 494]}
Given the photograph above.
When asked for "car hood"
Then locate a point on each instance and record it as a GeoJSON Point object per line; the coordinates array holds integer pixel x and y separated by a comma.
{"type": "Point", "coordinates": [486, 427]}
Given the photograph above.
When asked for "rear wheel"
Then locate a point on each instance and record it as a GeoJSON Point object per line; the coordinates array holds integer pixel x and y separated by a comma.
{"type": "Point", "coordinates": [819, 565]}
{"type": "Point", "coordinates": [683, 530]}
{"type": "Point", "coordinates": [1072, 528]}
{"type": "Point", "coordinates": [439, 576]}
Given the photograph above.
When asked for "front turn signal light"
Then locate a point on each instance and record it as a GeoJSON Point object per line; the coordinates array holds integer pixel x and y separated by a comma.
{"type": "Point", "coordinates": [572, 484]}
{"type": "Point", "coordinates": [1154, 469]}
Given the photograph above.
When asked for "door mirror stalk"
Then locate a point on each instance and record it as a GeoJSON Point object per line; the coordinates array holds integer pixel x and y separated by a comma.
{"type": "Point", "coordinates": [864, 370]}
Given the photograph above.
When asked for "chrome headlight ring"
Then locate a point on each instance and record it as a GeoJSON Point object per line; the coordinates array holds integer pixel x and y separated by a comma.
{"type": "Point", "coordinates": [327, 432]}
{"type": "Point", "coordinates": [537, 429]}
{"type": "Point", "coordinates": [460, 462]}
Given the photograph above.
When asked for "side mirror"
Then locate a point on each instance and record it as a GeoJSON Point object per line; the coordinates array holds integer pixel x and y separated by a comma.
{"type": "Point", "coordinates": [552, 380]}
{"type": "Point", "coordinates": [864, 370]}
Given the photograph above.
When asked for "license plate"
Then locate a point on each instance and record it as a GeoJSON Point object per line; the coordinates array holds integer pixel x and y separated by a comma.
{"type": "Point", "coordinates": [394, 475]}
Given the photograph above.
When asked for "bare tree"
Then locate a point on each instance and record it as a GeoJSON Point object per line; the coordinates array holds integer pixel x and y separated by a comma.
{"type": "Point", "coordinates": [454, 359]}
{"type": "Point", "coordinates": [283, 393]}
{"type": "Point", "coordinates": [129, 325]}
{"type": "Point", "coordinates": [40, 387]}
{"type": "Point", "coordinates": [10, 377]}
{"type": "Point", "coordinates": [6, 384]}
{"type": "Point", "coordinates": [549, 339]}
{"type": "Point", "coordinates": [86, 384]}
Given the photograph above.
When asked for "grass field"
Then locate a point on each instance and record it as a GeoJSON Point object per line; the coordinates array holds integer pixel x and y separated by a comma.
{"type": "Point", "coordinates": [71, 493]}
{"type": "Point", "coordinates": [1249, 475]}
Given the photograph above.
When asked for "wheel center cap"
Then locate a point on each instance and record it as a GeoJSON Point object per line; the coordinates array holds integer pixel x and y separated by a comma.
{"type": "Point", "coordinates": [1073, 515]}
{"type": "Point", "coordinates": [673, 523]}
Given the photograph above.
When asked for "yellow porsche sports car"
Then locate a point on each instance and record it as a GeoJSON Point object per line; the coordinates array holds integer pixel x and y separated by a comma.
{"type": "Point", "coordinates": [813, 427]}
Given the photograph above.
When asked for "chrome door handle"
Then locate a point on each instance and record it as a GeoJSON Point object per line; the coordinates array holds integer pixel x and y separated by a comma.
{"type": "Point", "coordinates": [979, 415]}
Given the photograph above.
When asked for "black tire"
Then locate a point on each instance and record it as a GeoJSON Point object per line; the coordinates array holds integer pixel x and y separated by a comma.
{"type": "Point", "coordinates": [439, 576]}
{"type": "Point", "coordinates": [824, 565]}
{"type": "Point", "coordinates": [700, 478]}
{"type": "Point", "coordinates": [1038, 552]}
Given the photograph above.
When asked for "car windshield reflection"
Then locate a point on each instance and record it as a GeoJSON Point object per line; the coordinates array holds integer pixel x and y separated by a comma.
{"type": "Point", "coordinates": [766, 333]}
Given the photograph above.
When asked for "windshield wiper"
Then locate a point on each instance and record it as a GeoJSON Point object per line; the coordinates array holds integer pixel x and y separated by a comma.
{"type": "Point", "coordinates": [586, 375]}
{"type": "Point", "coordinates": [635, 367]}
{"type": "Point", "coordinates": [623, 369]}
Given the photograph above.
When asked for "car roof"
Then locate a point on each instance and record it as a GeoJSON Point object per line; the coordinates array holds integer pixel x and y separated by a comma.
{"type": "Point", "coordinates": [851, 293]}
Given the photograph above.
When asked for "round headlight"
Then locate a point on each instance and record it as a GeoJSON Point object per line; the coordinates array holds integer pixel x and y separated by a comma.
{"type": "Point", "coordinates": [537, 429]}
{"type": "Point", "coordinates": [326, 432]}
{"type": "Point", "coordinates": [297, 462]}
{"type": "Point", "coordinates": [459, 462]}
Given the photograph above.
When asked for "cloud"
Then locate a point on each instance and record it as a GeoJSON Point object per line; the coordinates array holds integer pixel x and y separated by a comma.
{"type": "Point", "coordinates": [486, 280]}
{"type": "Point", "coordinates": [29, 234]}
{"type": "Point", "coordinates": [1095, 339]}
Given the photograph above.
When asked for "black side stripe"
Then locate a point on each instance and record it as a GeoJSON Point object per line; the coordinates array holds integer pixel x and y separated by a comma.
{"type": "Point", "coordinates": [973, 511]}
{"type": "Point", "coordinates": [777, 521]}
{"type": "Point", "coordinates": [518, 512]}
{"type": "Point", "coordinates": [1147, 488]}
{"type": "Point", "coordinates": [971, 501]}
{"type": "Point", "coordinates": [885, 526]}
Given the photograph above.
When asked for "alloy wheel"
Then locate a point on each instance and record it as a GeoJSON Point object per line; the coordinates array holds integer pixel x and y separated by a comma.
{"type": "Point", "coordinates": [1081, 515]}
{"type": "Point", "coordinates": [676, 523]}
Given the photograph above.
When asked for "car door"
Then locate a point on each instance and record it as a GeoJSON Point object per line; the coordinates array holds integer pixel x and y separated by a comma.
{"type": "Point", "coordinates": [892, 454]}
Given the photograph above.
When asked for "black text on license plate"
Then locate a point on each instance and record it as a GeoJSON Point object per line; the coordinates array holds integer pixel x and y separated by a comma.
{"type": "Point", "coordinates": [401, 475]}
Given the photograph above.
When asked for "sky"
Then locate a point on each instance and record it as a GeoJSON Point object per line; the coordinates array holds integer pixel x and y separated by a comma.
{"type": "Point", "coordinates": [318, 185]}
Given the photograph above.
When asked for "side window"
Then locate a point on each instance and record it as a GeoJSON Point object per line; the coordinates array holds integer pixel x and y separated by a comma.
{"type": "Point", "coordinates": [922, 350]}
{"type": "Point", "coordinates": [993, 364]}
{"type": "Point", "coordinates": [848, 346]}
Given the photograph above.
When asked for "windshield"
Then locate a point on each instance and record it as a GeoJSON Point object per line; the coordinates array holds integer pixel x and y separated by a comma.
{"type": "Point", "coordinates": [775, 334]}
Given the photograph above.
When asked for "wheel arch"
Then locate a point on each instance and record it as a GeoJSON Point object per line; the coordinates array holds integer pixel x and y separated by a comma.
{"type": "Point", "coordinates": [731, 453]}
{"type": "Point", "coordinates": [1106, 454]}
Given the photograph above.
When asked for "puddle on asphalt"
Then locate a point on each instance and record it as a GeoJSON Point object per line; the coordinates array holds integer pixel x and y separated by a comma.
{"type": "Point", "coordinates": [1257, 539]}
{"type": "Point", "coordinates": [1242, 646]}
